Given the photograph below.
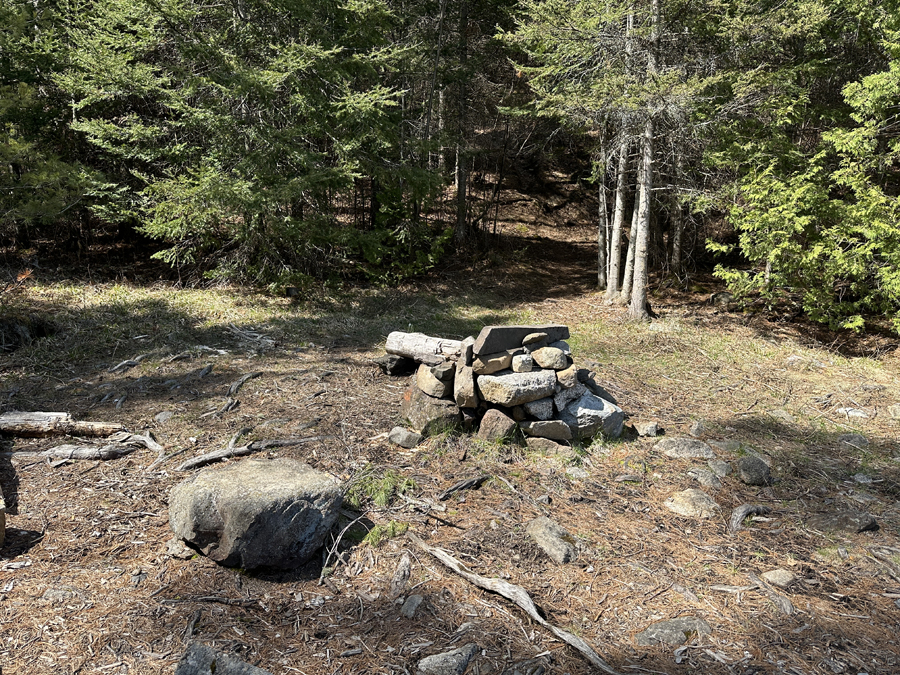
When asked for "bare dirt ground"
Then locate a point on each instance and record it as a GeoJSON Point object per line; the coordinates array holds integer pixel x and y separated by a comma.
{"type": "Point", "coordinates": [87, 584]}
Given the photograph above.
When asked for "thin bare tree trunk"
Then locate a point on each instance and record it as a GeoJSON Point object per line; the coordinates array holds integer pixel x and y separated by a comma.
{"type": "Point", "coordinates": [628, 280]}
{"type": "Point", "coordinates": [603, 223]}
{"type": "Point", "coordinates": [638, 307]}
{"type": "Point", "coordinates": [615, 239]}
{"type": "Point", "coordinates": [461, 234]}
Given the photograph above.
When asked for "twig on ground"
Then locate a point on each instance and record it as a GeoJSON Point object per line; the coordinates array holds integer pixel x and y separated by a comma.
{"type": "Point", "coordinates": [249, 449]}
{"type": "Point", "coordinates": [467, 484]}
{"type": "Point", "coordinates": [337, 543]}
{"type": "Point", "coordinates": [519, 596]}
{"type": "Point", "coordinates": [237, 384]}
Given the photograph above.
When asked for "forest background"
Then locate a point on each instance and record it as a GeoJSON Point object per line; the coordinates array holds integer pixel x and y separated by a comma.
{"type": "Point", "coordinates": [292, 142]}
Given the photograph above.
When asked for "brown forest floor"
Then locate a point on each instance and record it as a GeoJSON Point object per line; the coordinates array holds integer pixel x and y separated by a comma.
{"type": "Point", "coordinates": [87, 584]}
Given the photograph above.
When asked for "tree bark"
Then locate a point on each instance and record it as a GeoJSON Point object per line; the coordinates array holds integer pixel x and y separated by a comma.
{"type": "Point", "coordinates": [628, 280]}
{"type": "Point", "coordinates": [461, 234]}
{"type": "Point", "coordinates": [638, 307]}
{"type": "Point", "coordinates": [42, 424]}
{"type": "Point", "coordinates": [602, 227]}
{"type": "Point", "coordinates": [615, 244]}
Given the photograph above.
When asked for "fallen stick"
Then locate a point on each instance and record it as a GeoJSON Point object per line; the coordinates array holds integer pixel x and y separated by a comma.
{"type": "Point", "coordinates": [237, 384]}
{"type": "Point", "coordinates": [741, 512]}
{"type": "Point", "coordinates": [42, 424]}
{"type": "Point", "coordinates": [111, 451]}
{"type": "Point", "coordinates": [249, 449]}
{"type": "Point", "coordinates": [777, 598]}
{"type": "Point", "coordinates": [467, 484]}
{"type": "Point", "coordinates": [520, 597]}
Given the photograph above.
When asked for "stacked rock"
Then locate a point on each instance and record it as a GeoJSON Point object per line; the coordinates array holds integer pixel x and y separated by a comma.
{"type": "Point", "coordinates": [525, 373]}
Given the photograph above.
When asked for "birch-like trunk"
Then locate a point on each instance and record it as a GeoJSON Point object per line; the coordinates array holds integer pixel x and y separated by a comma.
{"type": "Point", "coordinates": [628, 280]}
{"type": "Point", "coordinates": [615, 238]}
{"type": "Point", "coordinates": [602, 227]}
{"type": "Point", "coordinates": [637, 309]}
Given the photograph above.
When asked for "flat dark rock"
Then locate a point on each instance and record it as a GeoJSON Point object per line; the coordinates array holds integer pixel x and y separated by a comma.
{"type": "Point", "coordinates": [202, 660]}
{"type": "Point", "coordinates": [850, 521]}
{"type": "Point", "coordinates": [497, 338]}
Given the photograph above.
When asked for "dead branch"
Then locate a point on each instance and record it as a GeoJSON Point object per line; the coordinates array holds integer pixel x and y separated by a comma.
{"type": "Point", "coordinates": [42, 424]}
{"type": "Point", "coordinates": [519, 596]}
{"type": "Point", "coordinates": [777, 598]}
{"type": "Point", "coordinates": [249, 449]}
{"type": "Point", "coordinates": [236, 385]}
{"type": "Point", "coordinates": [741, 512]}
{"type": "Point", "coordinates": [467, 484]}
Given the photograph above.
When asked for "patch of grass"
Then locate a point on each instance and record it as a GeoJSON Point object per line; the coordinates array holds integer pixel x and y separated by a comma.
{"type": "Point", "coordinates": [381, 533]}
{"type": "Point", "coordinates": [379, 488]}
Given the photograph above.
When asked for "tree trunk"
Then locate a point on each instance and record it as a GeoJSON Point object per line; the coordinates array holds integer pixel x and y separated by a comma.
{"type": "Point", "coordinates": [615, 242]}
{"type": "Point", "coordinates": [461, 234]}
{"type": "Point", "coordinates": [602, 227]}
{"type": "Point", "coordinates": [677, 219]}
{"type": "Point", "coordinates": [638, 307]}
{"type": "Point", "coordinates": [628, 280]}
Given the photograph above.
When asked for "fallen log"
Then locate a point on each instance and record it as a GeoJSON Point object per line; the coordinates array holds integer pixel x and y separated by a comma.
{"type": "Point", "coordinates": [249, 449]}
{"type": "Point", "coordinates": [111, 451]}
{"type": "Point", "coordinates": [43, 424]}
{"type": "Point", "coordinates": [422, 348]}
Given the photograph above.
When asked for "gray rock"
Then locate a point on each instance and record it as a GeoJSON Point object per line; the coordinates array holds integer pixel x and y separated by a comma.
{"type": "Point", "coordinates": [465, 351]}
{"type": "Point", "coordinates": [782, 415]}
{"type": "Point", "coordinates": [495, 426]}
{"type": "Point", "coordinates": [706, 478]}
{"type": "Point", "coordinates": [854, 440]}
{"type": "Point", "coordinates": [492, 363]}
{"type": "Point", "coordinates": [850, 520]}
{"type": "Point", "coordinates": [894, 412]}
{"type": "Point", "coordinates": [852, 412]}
{"type": "Point", "coordinates": [513, 389]}
{"type": "Point", "coordinates": [58, 595]}
{"type": "Point", "coordinates": [391, 364]}
{"type": "Point", "coordinates": [672, 632]}
{"type": "Point", "coordinates": [684, 448]}
{"type": "Point", "coordinates": [163, 417]}
{"type": "Point", "coordinates": [692, 503]}
{"type": "Point", "coordinates": [552, 538]}
{"type": "Point", "coordinates": [411, 605]}
{"type": "Point", "coordinates": [404, 437]}
{"type": "Point", "coordinates": [590, 415]}
{"type": "Point", "coordinates": [589, 379]}
{"type": "Point", "coordinates": [453, 662]}
{"type": "Point", "coordinates": [256, 512]}
{"type": "Point", "coordinates": [433, 380]}
{"type": "Point", "coordinates": [426, 414]}
{"type": "Point", "coordinates": [533, 338]}
{"type": "Point", "coordinates": [497, 338]}
{"type": "Point", "coordinates": [202, 660]}
{"type": "Point", "coordinates": [522, 363]}
{"type": "Point", "coordinates": [551, 358]}
{"type": "Point", "coordinates": [719, 467]}
{"type": "Point", "coordinates": [753, 471]}
{"type": "Point", "coordinates": [780, 577]}
{"type": "Point", "coordinates": [722, 299]}
{"type": "Point", "coordinates": [646, 429]}
{"type": "Point", "coordinates": [544, 445]}
{"type": "Point", "coordinates": [566, 396]}
{"type": "Point", "coordinates": [176, 548]}
{"type": "Point", "coordinates": [464, 393]}
{"type": "Point", "coordinates": [568, 377]}
{"type": "Point", "coordinates": [562, 345]}
{"type": "Point", "coordinates": [555, 430]}
{"type": "Point", "coordinates": [541, 409]}
{"type": "Point", "coordinates": [698, 428]}
{"type": "Point", "coordinates": [577, 473]}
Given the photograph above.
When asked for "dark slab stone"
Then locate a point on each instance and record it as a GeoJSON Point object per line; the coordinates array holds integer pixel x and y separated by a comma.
{"type": "Point", "coordinates": [493, 339]}
{"type": "Point", "coordinates": [202, 660]}
{"type": "Point", "coordinates": [850, 521]}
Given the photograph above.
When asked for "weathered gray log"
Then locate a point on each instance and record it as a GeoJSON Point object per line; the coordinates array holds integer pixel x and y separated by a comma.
{"type": "Point", "coordinates": [422, 348]}
{"type": "Point", "coordinates": [2, 518]}
{"type": "Point", "coordinates": [94, 452]}
{"type": "Point", "coordinates": [42, 424]}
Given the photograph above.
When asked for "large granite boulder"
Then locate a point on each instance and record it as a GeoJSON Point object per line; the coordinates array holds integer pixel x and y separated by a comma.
{"type": "Point", "coordinates": [590, 415]}
{"type": "Point", "coordinates": [256, 513]}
